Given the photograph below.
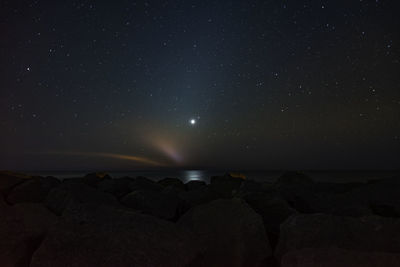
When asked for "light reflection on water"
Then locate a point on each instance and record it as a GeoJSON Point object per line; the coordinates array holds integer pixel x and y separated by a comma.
{"type": "Point", "coordinates": [184, 175]}
{"type": "Point", "coordinates": [205, 175]}
{"type": "Point", "coordinates": [194, 175]}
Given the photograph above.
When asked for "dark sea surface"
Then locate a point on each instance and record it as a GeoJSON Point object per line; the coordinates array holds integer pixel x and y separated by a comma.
{"type": "Point", "coordinates": [204, 175]}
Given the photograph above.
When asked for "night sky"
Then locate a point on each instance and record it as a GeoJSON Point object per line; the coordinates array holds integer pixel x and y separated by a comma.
{"type": "Point", "coordinates": [199, 84]}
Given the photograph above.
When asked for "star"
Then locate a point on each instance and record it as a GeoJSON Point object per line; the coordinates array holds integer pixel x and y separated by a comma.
{"type": "Point", "coordinates": [192, 121]}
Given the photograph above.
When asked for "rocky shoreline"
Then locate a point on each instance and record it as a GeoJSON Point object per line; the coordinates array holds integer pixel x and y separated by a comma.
{"type": "Point", "coordinates": [100, 221]}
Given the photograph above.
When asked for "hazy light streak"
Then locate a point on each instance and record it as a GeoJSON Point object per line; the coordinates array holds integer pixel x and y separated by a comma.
{"type": "Point", "coordinates": [168, 149]}
{"type": "Point", "coordinates": [112, 155]}
{"type": "Point", "coordinates": [129, 157]}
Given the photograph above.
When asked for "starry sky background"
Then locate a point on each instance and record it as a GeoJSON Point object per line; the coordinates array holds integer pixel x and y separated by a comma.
{"type": "Point", "coordinates": [271, 84]}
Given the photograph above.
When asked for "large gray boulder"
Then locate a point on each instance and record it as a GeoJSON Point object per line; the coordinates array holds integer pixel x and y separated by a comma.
{"type": "Point", "coordinates": [159, 204]}
{"type": "Point", "coordinates": [109, 236]}
{"type": "Point", "coordinates": [32, 190]}
{"type": "Point", "coordinates": [229, 233]}
{"type": "Point", "coordinates": [22, 228]}
{"type": "Point", "coordinates": [76, 193]}
{"type": "Point", "coordinates": [365, 234]}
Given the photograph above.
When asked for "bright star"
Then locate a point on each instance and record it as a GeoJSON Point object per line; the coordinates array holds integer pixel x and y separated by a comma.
{"type": "Point", "coordinates": [192, 121]}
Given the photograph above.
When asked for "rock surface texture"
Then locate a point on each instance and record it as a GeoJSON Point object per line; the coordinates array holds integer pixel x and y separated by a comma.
{"type": "Point", "coordinates": [229, 233]}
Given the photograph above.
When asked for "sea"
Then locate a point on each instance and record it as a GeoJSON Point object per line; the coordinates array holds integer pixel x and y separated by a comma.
{"type": "Point", "coordinates": [341, 176]}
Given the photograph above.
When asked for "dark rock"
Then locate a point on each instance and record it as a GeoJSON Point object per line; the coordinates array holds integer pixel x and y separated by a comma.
{"type": "Point", "coordinates": [385, 210]}
{"type": "Point", "coordinates": [366, 234]}
{"type": "Point", "coordinates": [93, 179]}
{"type": "Point", "coordinates": [382, 197]}
{"type": "Point", "coordinates": [73, 180]}
{"type": "Point", "coordinates": [107, 236]}
{"type": "Point", "coordinates": [249, 186]}
{"type": "Point", "coordinates": [22, 228]}
{"type": "Point", "coordinates": [294, 178]}
{"type": "Point", "coordinates": [172, 182]}
{"type": "Point", "coordinates": [9, 179]}
{"type": "Point", "coordinates": [172, 190]}
{"type": "Point", "coordinates": [341, 205]}
{"type": "Point", "coordinates": [336, 188]}
{"type": "Point", "coordinates": [118, 187]}
{"type": "Point", "coordinates": [226, 186]}
{"type": "Point", "coordinates": [75, 193]}
{"type": "Point", "coordinates": [143, 183]}
{"type": "Point", "coordinates": [32, 190]}
{"type": "Point", "coordinates": [183, 206]}
{"type": "Point", "coordinates": [274, 210]}
{"type": "Point", "coordinates": [395, 180]}
{"type": "Point", "coordinates": [307, 196]}
{"type": "Point", "coordinates": [298, 190]}
{"type": "Point", "coordinates": [198, 196]}
{"type": "Point", "coordinates": [155, 203]}
{"type": "Point", "coordinates": [195, 184]}
{"type": "Point", "coordinates": [350, 210]}
{"type": "Point", "coordinates": [229, 232]}
{"type": "Point", "coordinates": [333, 257]}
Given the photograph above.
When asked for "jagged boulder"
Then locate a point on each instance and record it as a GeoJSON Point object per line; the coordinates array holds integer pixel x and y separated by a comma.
{"type": "Point", "coordinates": [118, 187]}
{"type": "Point", "coordinates": [109, 236]}
{"type": "Point", "coordinates": [225, 186]}
{"type": "Point", "coordinates": [298, 190]}
{"type": "Point", "coordinates": [198, 196]}
{"type": "Point", "coordinates": [172, 190]}
{"type": "Point", "coordinates": [9, 179]}
{"type": "Point", "coordinates": [22, 228]}
{"type": "Point", "coordinates": [250, 186]}
{"type": "Point", "coordinates": [229, 233]}
{"type": "Point", "coordinates": [341, 205]}
{"type": "Point", "coordinates": [172, 182]}
{"type": "Point", "coordinates": [366, 234]}
{"type": "Point", "coordinates": [335, 188]}
{"type": "Point", "coordinates": [159, 204]}
{"type": "Point", "coordinates": [333, 257]}
{"type": "Point", "coordinates": [195, 184]}
{"type": "Point", "coordinates": [32, 190]}
{"type": "Point", "coordinates": [381, 197]}
{"type": "Point", "coordinates": [75, 193]}
{"type": "Point", "coordinates": [143, 183]}
{"type": "Point", "coordinates": [273, 209]}
{"type": "Point", "coordinates": [93, 179]}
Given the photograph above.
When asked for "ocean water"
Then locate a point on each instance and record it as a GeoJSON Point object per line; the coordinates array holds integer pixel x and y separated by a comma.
{"type": "Point", "coordinates": [261, 176]}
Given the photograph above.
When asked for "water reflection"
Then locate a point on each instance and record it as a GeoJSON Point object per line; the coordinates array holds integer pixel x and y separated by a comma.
{"type": "Point", "coordinates": [194, 175]}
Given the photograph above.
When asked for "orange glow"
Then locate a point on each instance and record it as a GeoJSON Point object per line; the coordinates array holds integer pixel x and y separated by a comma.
{"type": "Point", "coordinates": [112, 155]}
{"type": "Point", "coordinates": [129, 157]}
